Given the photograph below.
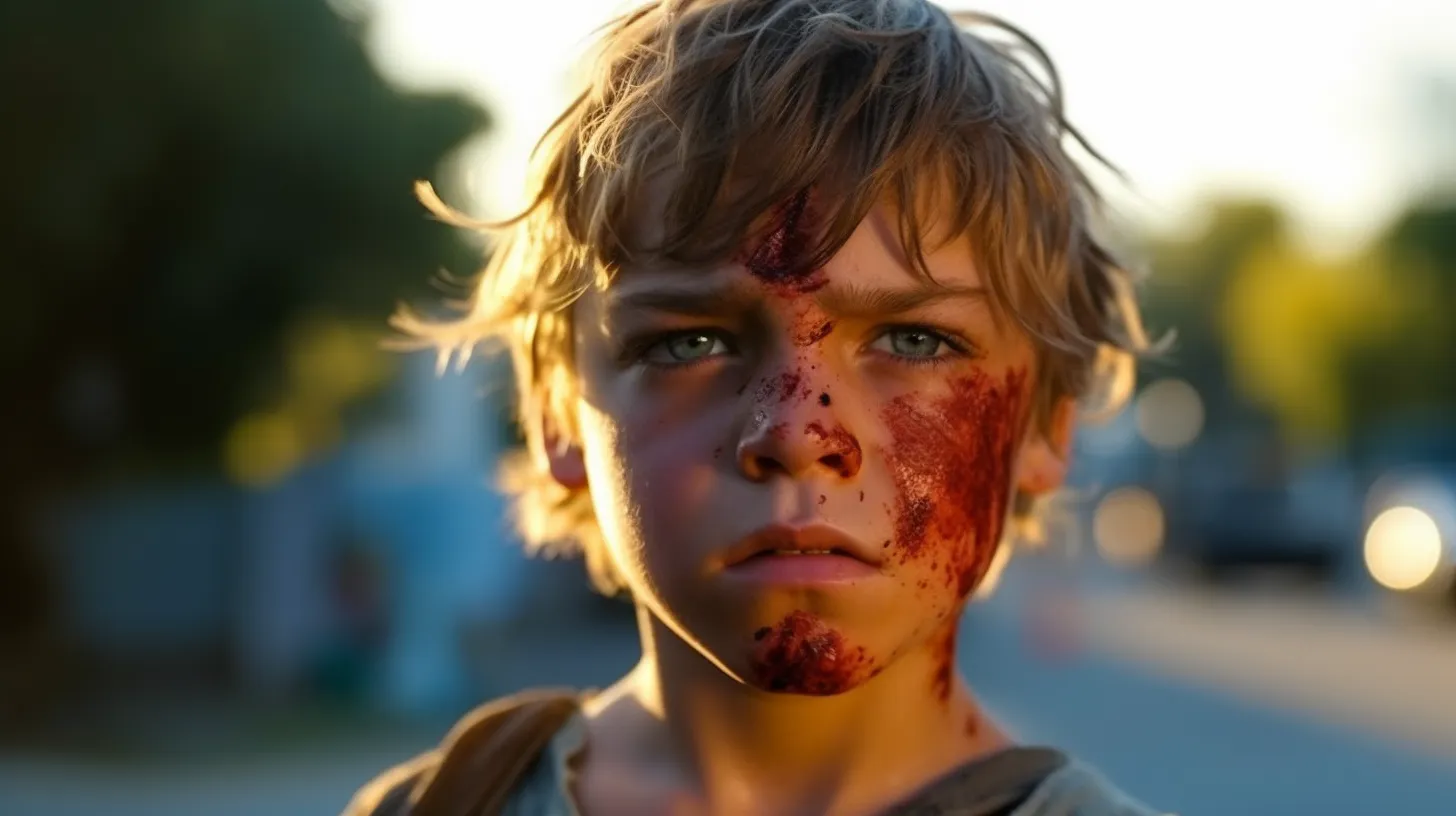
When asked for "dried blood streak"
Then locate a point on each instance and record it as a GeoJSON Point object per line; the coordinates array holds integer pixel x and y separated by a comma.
{"type": "Point", "coordinates": [803, 655]}
{"type": "Point", "coordinates": [809, 329]}
{"type": "Point", "coordinates": [951, 462]}
{"type": "Point", "coordinates": [781, 260]}
{"type": "Point", "coordinates": [944, 654]}
{"type": "Point", "coordinates": [973, 725]}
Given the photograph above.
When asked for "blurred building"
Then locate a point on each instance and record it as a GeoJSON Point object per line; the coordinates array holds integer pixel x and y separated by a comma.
{"type": "Point", "coordinates": [365, 575]}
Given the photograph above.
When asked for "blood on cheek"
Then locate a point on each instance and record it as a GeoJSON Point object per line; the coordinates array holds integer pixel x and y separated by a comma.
{"type": "Point", "coordinates": [951, 462]}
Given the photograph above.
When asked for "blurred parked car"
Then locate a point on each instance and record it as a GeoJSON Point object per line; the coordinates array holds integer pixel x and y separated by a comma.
{"type": "Point", "coordinates": [1240, 501]}
{"type": "Point", "coordinates": [1307, 521]}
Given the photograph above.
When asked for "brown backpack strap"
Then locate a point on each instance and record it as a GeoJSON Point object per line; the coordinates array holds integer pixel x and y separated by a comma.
{"type": "Point", "coordinates": [488, 753]}
{"type": "Point", "coordinates": [477, 766]}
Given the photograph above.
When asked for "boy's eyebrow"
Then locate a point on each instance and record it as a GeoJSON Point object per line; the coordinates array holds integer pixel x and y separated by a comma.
{"type": "Point", "coordinates": [857, 300]}
{"type": "Point", "coordinates": [707, 298]}
{"type": "Point", "coordinates": [687, 297]}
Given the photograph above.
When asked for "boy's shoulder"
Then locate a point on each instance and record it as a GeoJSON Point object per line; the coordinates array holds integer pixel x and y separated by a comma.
{"type": "Point", "coordinates": [476, 766]}
{"type": "Point", "coordinates": [1023, 781]}
{"type": "Point", "coordinates": [479, 765]}
{"type": "Point", "coordinates": [1079, 790]}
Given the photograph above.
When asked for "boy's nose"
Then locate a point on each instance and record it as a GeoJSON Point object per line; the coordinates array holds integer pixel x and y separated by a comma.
{"type": "Point", "coordinates": [799, 449]}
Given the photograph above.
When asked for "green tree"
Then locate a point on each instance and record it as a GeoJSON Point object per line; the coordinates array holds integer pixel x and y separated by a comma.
{"type": "Point", "coordinates": [1290, 320]}
{"type": "Point", "coordinates": [1408, 373]}
{"type": "Point", "coordinates": [186, 187]}
{"type": "Point", "coordinates": [1191, 274]}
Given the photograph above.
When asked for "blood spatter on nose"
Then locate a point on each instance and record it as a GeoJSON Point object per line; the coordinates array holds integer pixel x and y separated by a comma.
{"type": "Point", "coordinates": [801, 654]}
{"type": "Point", "coordinates": [951, 460]}
{"type": "Point", "coordinates": [838, 441]}
{"type": "Point", "coordinates": [781, 260]}
{"type": "Point", "coordinates": [783, 387]}
{"type": "Point", "coordinates": [824, 399]}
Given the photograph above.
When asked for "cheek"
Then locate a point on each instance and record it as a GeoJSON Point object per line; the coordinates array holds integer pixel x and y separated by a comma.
{"type": "Point", "coordinates": [951, 461]}
{"type": "Point", "coordinates": [646, 476]}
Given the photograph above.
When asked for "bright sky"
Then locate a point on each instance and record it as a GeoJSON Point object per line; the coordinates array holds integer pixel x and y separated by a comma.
{"type": "Point", "coordinates": [1311, 101]}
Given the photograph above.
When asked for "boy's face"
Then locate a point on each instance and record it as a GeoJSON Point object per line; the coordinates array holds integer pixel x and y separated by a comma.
{"type": "Point", "coordinates": [738, 422]}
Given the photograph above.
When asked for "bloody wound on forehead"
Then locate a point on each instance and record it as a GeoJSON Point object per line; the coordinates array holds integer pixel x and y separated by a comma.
{"type": "Point", "coordinates": [781, 259]}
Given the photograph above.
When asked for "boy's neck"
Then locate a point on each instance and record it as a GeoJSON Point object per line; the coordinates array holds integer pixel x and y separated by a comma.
{"type": "Point", "coordinates": [856, 752]}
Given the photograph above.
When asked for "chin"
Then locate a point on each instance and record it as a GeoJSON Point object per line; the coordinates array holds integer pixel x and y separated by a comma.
{"type": "Point", "coordinates": [803, 653]}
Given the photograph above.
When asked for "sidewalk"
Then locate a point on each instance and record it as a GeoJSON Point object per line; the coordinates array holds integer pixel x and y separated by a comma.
{"type": "Point", "coordinates": [1339, 663]}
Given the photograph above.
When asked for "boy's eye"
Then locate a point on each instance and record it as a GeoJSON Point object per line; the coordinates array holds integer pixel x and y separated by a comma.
{"type": "Point", "coordinates": [685, 347]}
{"type": "Point", "coordinates": [912, 342]}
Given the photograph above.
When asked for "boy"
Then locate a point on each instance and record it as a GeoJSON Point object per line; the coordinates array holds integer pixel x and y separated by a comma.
{"type": "Point", "coordinates": [801, 312]}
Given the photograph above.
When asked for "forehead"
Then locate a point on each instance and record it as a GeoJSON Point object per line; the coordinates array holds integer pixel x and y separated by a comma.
{"type": "Point", "coordinates": [876, 251]}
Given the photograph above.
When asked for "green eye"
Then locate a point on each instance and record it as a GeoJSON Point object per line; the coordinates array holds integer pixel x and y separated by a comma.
{"type": "Point", "coordinates": [914, 342]}
{"type": "Point", "coordinates": [688, 347]}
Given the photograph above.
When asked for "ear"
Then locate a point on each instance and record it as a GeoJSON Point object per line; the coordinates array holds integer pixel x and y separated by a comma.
{"type": "Point", "coordinates": [1042, 464]}
{"type": "Point", "coordinates": [563, 459]}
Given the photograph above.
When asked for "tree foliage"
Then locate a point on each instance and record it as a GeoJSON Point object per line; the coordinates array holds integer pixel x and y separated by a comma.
{"type": "Point", "coordinates": [1407, 373]}
{"type": "Point", "coordinates": [1335, 349]}
{"type": "Point", "coordinates": [183, 183]}
{"type": "Point", "coordinates": [188, 186]}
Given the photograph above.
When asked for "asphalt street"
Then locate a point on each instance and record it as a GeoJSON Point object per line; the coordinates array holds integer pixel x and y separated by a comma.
{"type": "Point", "coordinates": [1199, 703]}
{"type": "Point", "coordinates": [1202, 714]}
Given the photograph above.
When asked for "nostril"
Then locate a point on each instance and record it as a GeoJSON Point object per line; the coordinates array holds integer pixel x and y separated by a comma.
{"type": "Point", "coordinates": [768, 464]}
{"type": "Point", "coordinates": [836, 463]}
{"type": "Point", "coordinates": [759, 467]}
{"type": "Point", "coordinates": [775, 450]}
{"type": "Point", "coordinates": [843, 456]}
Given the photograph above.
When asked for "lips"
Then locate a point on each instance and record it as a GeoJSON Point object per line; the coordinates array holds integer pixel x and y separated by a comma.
{"type": "Point", "coordinates": [800, 541]}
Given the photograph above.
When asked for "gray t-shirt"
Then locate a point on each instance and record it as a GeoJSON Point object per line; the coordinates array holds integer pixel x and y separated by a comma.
{"type": "Point", "coordinates": [1013, 782]}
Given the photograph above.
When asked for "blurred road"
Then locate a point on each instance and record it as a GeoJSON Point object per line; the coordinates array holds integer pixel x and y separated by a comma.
{"type": "Point", "coordinates": [1235, 704]}
{"type": "Point", "coordinates": [1365, 667]}
{"type": "Point", "coordinates": [1199, 703]}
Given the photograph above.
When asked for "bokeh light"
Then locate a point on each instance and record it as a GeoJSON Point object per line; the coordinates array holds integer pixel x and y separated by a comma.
{"type": "Point", "coordinates": [1403, 548]}
{"type": "Point", "coordinates": [1128, 527]}
{"type": "Point", "coordinates": [1170, 414]}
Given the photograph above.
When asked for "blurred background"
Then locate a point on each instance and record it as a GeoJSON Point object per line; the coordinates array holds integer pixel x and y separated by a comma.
{"type": "Point", "coordinates": [247, 558]}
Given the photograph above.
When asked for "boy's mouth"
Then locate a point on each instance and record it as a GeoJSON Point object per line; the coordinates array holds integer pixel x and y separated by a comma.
{"type": "Point", "coordinates": [791, 541]}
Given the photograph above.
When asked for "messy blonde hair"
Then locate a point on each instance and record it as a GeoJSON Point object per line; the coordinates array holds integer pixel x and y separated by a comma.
{"type": "Point", "coordinates": [742, 104]}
